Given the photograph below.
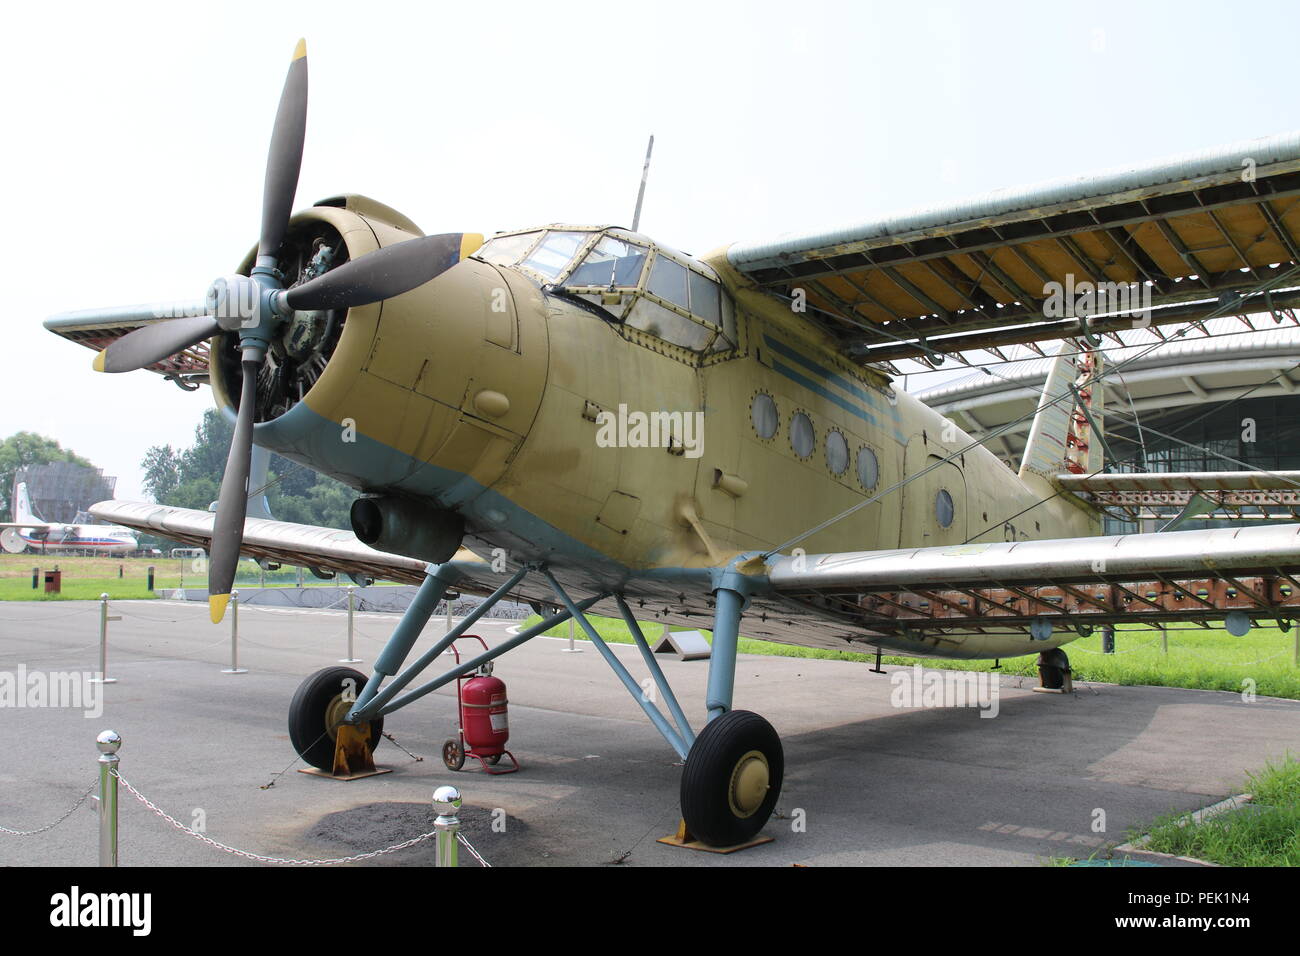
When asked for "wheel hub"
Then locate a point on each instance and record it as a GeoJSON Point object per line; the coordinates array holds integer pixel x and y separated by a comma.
{"type": "Point", "coordinates": [749, 783]}
{"type": "Point", "coordinates": [336, 713]}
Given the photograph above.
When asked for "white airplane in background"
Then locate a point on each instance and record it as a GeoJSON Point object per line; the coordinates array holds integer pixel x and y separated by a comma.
{"type": "Point", "coordinates": [29, 531]}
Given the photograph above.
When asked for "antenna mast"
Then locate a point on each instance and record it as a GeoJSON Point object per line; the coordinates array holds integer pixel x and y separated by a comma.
{"type": "Point", "coordinates": [640, 195]}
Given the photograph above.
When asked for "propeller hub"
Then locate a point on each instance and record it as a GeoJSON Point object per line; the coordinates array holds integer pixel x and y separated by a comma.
{"type": "Point", "coordinates": [235, 302]}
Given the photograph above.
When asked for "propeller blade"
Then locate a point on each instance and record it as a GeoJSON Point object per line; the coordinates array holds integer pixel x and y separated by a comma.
{"type": "Point", "coordinates": [232, 503]}
{"type": "Point", "coordinates": [153, 343]}
{"type": "Point", "coordinates": [284, 159]}
{"type": "Point", "coordinates": [384, 273]}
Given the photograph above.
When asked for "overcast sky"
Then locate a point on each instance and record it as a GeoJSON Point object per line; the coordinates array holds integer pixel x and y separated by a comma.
{"type": "Point", "coordinates": [136, 135]}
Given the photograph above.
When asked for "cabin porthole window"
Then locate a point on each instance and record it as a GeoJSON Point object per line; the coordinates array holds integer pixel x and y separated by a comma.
{"type": "Point", "coordinates": [837, 453]}
{"type": "Point", "coordinates": [868, 468]}
{"type": "Point", "coordinates": [802, 437]}
{"type": "Point", "coordinates": [944, 510]}
{"type": "Point", "coordinates": [763, 414]}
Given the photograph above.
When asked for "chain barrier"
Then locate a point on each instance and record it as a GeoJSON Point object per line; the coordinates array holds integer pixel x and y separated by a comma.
{"type": "Point", "coordinates": [51, 826]}
{"type": "Point", "coordinates": [472, 852]}
{"type": "Point", "coordinates": [42, 619]}
{"type": "Point", "coordinates": [259, 858]}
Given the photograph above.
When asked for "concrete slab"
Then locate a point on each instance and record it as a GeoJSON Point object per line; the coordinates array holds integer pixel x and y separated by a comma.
{"type": "Point", "coordinates": [866, 782]}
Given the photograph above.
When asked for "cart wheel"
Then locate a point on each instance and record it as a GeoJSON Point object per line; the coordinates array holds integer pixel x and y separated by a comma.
{"type": "Point", "coordinates": [453, 754]}
{"type": "Point", "coordinates": [493, 760]}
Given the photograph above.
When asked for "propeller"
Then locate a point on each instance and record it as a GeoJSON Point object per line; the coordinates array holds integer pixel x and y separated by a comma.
{"type": "Point", "coordinates": [255, 306]}
{"type": "Point", "coordinates": [153, 343]}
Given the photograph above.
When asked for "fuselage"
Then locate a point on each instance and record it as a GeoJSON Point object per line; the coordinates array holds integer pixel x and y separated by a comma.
{"type": "Point", "coordinates": [562, 433]}
{"type": "Point", "coordinates": [56, 538]}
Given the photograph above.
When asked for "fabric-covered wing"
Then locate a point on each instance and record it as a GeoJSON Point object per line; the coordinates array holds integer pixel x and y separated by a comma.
{"type": "Point", "coordinates": [1071, 583]}
{"type": "Point", "coordinates": [98, 328]}
{"type": "Point", "coordinates": [1196, 230]}
{"type": "Point", "coordinates": [298, 544]}
{"type": "Point", "coordinates": [1240, 495]}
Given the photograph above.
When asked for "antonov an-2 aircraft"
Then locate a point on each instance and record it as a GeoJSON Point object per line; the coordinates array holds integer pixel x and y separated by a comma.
{"type": "Point", "coordinates": [585, 419]}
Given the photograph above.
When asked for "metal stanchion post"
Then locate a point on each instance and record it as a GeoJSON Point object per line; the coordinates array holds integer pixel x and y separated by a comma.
{"type": "Point", "coordinates": [446, 801]}
{"type": "Point", "coordinates": [103, 677]}
{"type": "Point", "coordinates": [571, 649]}
{"type": "Point", "coordinates": [352, 604]}
{"type": "Point", "coordinates": [234, 667]}
{"type": "Point", "coordinates": [109, 742]}
{"type": "Point", "coordinates": [1108, 639]}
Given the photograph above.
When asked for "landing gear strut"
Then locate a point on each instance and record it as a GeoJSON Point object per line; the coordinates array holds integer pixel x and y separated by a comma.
{"type": "Point", "coordinates": [733, 770]}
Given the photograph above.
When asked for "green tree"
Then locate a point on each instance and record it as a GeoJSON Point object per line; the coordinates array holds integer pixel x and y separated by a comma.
{"type": "Point", "coordinates": [162, 471]}
{"type": "Point", "coordinates": [191, 478]}
{"type": "Point", "coordinates": [28, 448]}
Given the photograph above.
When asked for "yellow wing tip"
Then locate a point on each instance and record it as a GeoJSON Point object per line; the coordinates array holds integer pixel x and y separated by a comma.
{"type": "Point", "coordinates": [99, 361]}
{"type": "Point", "coordinates": [217, 606]}
{"type": "Point", "coordinates": [300, 50]}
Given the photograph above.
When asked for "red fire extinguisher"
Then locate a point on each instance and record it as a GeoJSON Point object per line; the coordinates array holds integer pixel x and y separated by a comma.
{"type": "Point", "coordinates": [484, 721]}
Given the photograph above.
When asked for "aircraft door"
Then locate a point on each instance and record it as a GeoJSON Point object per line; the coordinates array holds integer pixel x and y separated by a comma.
{"type": "Point", "coordinates": [934, 505]}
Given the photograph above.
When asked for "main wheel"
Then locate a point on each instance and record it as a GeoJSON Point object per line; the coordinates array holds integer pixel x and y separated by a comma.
{"type": "Point", "coordinates": [319, 706]}
{"type": "Point", "coordinates": [732, 778]}
{"type": "Point", "coordinates": [1052, 668]}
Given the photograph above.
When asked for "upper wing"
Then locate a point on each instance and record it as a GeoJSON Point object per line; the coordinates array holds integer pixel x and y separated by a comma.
{"type": "Point", "coordinates": [306, 545]}
{"type": "Point", "coordinates": [1194, 229]}
{"type": "Point", "coordinates": [98, 328]}
{"type": "Point", "coordinates": [1196, 576]}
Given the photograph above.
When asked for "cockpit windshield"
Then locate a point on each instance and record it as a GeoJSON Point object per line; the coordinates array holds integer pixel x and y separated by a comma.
{"type": "Point", "coordinates": [663, 294]}
{"type": "Point", "coordinates": [555, 252]}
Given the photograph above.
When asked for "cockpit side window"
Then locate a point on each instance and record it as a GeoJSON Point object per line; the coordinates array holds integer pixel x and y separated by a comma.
{"type": "Point", "coordinates": [613, 263]}
{"type": "Point", "coordinates": [668, 281]}
{"type": "Point", "coordinates": [555, 253]}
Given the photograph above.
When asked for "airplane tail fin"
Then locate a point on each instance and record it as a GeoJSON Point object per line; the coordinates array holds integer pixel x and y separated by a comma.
{"type": "Point", "coordinates": [1064, 436]}
{"type": "Point", "coordinates": [23, 505]}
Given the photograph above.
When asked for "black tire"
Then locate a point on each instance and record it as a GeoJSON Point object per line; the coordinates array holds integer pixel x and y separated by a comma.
{"type": "Point", "coordinates": [315, 698]}
{"type": "Point", "coordinates": [453, 754]}
{"type": "Point", "coordinates": [725, 748]}
{"type": "Point", "coordinates": [1052, 667]}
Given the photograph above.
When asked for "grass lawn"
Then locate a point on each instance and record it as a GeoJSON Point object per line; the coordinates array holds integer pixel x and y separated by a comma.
{"type": "Point", "coordinates": [127, 578]}
{"type": "Point", "coordinates": [1205, 659]}
{"type": "Point", "coordinates": [1265, 832]}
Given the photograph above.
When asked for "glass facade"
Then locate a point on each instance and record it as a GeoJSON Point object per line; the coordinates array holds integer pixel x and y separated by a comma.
{"type": "Point", "coordinates": [1259, 433]}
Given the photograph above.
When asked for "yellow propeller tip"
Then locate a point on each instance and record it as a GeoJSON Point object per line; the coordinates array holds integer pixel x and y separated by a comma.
{"type": "Point", "coordinates": [99, 361]}
{"type": "Point", "coordinates": [300, 50]}
{"type": "Point", "coordinates": [470, 243]}
{"type": "Point", "coordinates": [217, 606]}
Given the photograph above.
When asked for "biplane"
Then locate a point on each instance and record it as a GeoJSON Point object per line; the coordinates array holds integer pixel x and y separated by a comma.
{"type": "Point", "coordinates": [460, 383]}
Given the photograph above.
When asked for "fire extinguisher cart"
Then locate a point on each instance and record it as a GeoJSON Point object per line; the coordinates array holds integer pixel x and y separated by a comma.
{"type": "Point", "coordinates": [484, 728]}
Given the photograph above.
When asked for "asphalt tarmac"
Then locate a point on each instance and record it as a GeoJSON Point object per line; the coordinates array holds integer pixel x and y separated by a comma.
{"type": "Point", "coordinates": [866, 782]}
